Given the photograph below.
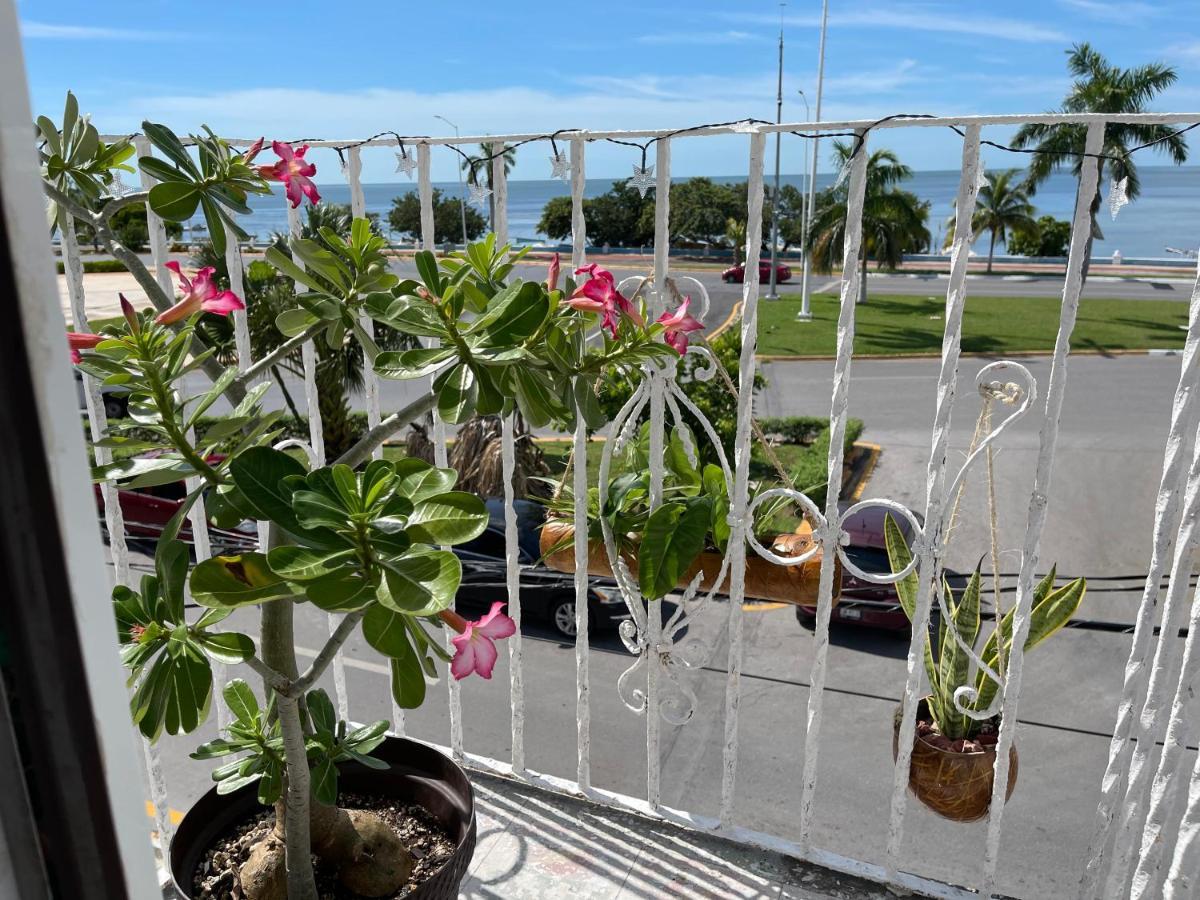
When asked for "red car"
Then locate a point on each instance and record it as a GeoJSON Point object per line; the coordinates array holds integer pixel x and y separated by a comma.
{"type": "Point", "coordinates": [864, 602]}
{"type": "Point", "coordinates": [736, 274]}
{"type": "Point", "coordinates": [147, 510]}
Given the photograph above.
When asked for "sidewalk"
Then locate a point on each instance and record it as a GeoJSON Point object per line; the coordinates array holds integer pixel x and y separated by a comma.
{"type": "Point", "coordinates": [102, 290]}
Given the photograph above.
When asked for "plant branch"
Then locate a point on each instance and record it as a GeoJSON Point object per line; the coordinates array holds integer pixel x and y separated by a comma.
{"type": "Point", "coordinates": [291, 345]}
{"type": "Point", "coordinates": [359, 453]}
{"type": "Point", "coordinates": [340, 635]}
{"type": "Point", "coordinates": [116, 204]}
{"type": "Point", "coordinates": [277, 681]}
{"type": "Point", "coordinates": [301, 882]}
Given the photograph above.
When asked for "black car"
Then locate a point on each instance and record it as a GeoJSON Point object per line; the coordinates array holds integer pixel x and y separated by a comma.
{"type": "Point", "coordinates": [544, 592]}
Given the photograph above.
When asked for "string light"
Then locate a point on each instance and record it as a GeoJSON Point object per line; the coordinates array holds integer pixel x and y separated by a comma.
{"type": "Point", "coordinates": [1118, 195]}
{"type": "Point", "coordinates": [478, 194]}
{"type": "Point", "coordinates": [405, 163]}
{"type": "Point", "coordinates": [981, 179]}
{"type": "Point", "coordinates": [643, 179]}
{"type": "Point", "coordinates": [560, 166]}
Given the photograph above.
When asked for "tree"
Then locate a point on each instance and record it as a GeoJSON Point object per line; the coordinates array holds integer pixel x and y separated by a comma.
{"type": "Point", "coordinates": [130, 226]}
{"type": "Point", "coordinates": [735, 234]}
{"type": "Point", "coordinates": [1002, 208]}
{"type": "Point", "coordinates": [405, 217]}
{"type": "Point", "coordinates": [555, 222]}
{"type": "Point", "coordinates": [615, 217]}
{"type": "Point", "coordinates": [1047, 236]}
{"type": "Point", "coordinates": [893, 220]}
{"type": "Point", "coordinates": [1101, 87]}
{"type": "Point", "coordinates": [791, 215]}
{"type": "Point", "coordinates": [473, 165]}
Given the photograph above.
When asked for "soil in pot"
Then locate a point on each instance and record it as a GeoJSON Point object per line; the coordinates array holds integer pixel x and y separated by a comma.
{"type": "Point", "coordinates": [429, 844]}
{"type": "Point", "coordinates": [954, 778]}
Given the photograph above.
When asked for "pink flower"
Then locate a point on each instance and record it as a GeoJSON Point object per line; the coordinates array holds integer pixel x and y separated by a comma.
{"type": "Point", "coordinates": [552, 273]}
{"type": "Point", "coordinates": [81, 340]}
{"type": "Point", "coordinates": [599, 294]}
{"type": "Point", "coordinates": [293, 171]}
{"type": "Point", "coordinates": [199, 294]}
{"type": "Point", "coordinates": [676, 326]}
{"type": "Point", "coordinates": [475, 646]}
{"type": "Point", "coordinates": [252, 151]}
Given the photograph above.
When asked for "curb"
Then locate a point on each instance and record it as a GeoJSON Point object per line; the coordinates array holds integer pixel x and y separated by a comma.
{"type": "Point", "coordinates": [866, 468]}
{"type": "Point", "coordinates": [1015, 354]}
{"type": "Point", "coordinates": [734, 314]}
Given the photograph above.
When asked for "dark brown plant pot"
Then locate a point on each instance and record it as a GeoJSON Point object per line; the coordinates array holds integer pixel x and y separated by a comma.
{"type": "Point", "coordinates": [765, 580]}
{"type": "Point", "coordinates": [418, 774]}
{"type": "Point", "coordinates": [956, 786]}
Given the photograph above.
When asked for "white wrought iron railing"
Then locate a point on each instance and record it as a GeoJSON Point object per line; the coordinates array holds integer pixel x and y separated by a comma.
{"type": "Point", "coordinates": [1141, 795]}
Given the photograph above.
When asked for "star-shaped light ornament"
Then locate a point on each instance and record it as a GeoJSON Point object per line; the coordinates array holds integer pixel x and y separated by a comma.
{"type": "Point", "coordinates": [746, 126]}
{"type": "Point", "coordinates": [1118, 195]}
{"type": "Point", "coordinates": [478, 194]}
{"type": "Point", "coordinates": [345, 166]}
{"type": "Point", "coordinates": [844, 174]}
{"type": "Point", "coordinates": [981, 180]}
{"type": "Point", "coordinates": [406, 163]}
{"type": "Point", "coordinates": [118, 188]}
{"type": "Point", "coordinates": [643, 179]}
{"type": "Point", "coordinates": [560, 166]}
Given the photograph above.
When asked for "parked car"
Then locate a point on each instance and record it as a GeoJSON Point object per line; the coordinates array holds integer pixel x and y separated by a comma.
{"type": "Point", "coordinates": [147, 510]}
{"type": "Point", "coordinates": [116, 403]}
{"type": "Point", "coordinates": [737, 274]}
{"type": "Point", "coordinates": [545, 593]}
{"type": "Point", "coordinates": [864, 602]}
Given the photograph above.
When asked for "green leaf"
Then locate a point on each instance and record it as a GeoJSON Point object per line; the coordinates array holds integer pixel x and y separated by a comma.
{"type": "Point", "coordinates": [318, 510]}
{"type": "Point", "coordinates": [175, 201]}
{"type": "Point", "coordinates": [159, 170]}
{"type": "Point", "coordinates": [320, 708]}
{"type": "Point", "coordinates": [240, 699]}
{"type": "Point", "coordinates": [451, 518]}
{"type": "Point", "coordinates": [171, 147]}
{"type": "Point", "coordinates": [428, 270]}
{"type": "Point", "coordinates": [229, 647]}
{"type": "Point", "coordinates": [899, 556]}
{"type": "Point", "coordinates": [456, 390]}
{"type": "Point", "coordinates": [217, 748]}
{"type": "Point", "coordinates": [340, 592]}
{"type": "Point", "coordinates": [536, 396]}
{"type": "Point", "coordinates": [231, 581]}
{"type": "Point", "coordinates": [259, 474]}
{"type": "Point", "coordinates": [189, 689]}
{"type": "Point", "coordinates": [513, 315]}
{"type": "Point", "coordinates": [673, 538]}
{"type": "Point", "coordinates": [408, 682]}
{"type": "Point", "coordinates": [171, 565]}
{"type": "Point", "coordinates": [421, 583]}
{"type": "Point", "coordinates": [411, 363]}
{"type": "Point", "coordinates": [384, 629]}
{"type": "Point", "coordinates": [367, 737]}
{"type": "Point", "coordinates": [419, 480]}
{"type": "Point", "coordinates": [270, 785]}
{"type": "Point", "coordinates": [304, 564]}
{"type": "Point", "coordinates": [324, 781]}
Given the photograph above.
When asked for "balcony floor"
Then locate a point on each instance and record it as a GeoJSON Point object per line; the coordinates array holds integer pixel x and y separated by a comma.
{"type": "Point", "coordinates": [534, 844]}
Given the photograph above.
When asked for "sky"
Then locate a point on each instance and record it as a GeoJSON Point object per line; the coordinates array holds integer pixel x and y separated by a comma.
{"type": "Point", "coordinates": [350, 70]}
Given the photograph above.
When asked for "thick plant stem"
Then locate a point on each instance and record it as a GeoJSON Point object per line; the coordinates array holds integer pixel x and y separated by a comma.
{"type": "Point", "coordinates": [301, 882]}
{"type": "Point", "coordinates": [361, 452]}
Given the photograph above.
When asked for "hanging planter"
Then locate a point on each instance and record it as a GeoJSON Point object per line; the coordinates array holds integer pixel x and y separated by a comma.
{"type": "Point", "coordinates": [954, 778]}
{"type": "Point", "coordinates": [764, 579]}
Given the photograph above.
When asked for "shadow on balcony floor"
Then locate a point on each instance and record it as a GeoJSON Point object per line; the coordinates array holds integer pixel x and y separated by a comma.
{"type": "Point", "coordinates": [533, 844]}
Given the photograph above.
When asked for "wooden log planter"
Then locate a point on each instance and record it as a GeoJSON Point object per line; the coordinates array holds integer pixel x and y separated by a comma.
{"type": "Point", "coordinates": [765, 580]}
{"type": "Point", "coordinates": [956, 785]}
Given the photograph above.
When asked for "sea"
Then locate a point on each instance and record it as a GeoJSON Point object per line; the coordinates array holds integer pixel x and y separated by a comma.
{"type": "Point", "coordinates": [1163, 220]}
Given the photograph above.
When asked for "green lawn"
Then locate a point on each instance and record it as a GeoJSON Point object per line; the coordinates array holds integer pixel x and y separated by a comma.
{"type": "Point", "coordinates": [898, 326]}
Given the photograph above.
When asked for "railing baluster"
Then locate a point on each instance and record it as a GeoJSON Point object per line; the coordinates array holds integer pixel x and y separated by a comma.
{"type": "Point", "coordinates": [741, 484]}
{"type": "Point", "coordinates": [358, 208]}
{"type": "Point", "coordinates": [579, 487]}
{"type": "Point", "coordinates": [316, 439]}
{"type": "Point", "coordinates": [1185, 415]}
{"type": "Point", "coordinates": [1047, 443]}
{"type": "Point", "coordinates": [935, 478]}
{"type": "Point", "coordinates": [512, 554]}
{"type": "Point", "coordinates": [837, 430]}
{"type": "Point", "coordinates": [1182, 876]}
{"type": "Point", "coordinates": [440, 457]}
{"type": "Point", "coordinates": [1145, 878]}
{"type": "Point", "coordinates": [500, 194]}
{"type": "Point", "coordinates": [656, 302]}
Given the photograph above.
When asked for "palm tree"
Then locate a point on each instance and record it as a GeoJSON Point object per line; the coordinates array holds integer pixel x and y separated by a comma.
{"type": "Point", "coordinates": [893, 220]}
{"type": "Point", "coordinates": [735, 233]}
{"type": "Point", "coordinates": [1101, 87]}
{"type": "Point", "coordinates": [473, 165]}
{"type": "Point", "coordinates": [1001, 208]}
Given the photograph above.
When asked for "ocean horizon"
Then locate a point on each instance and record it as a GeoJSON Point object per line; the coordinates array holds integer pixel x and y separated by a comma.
{"type": "Point", "coordinates": [1166, 214]}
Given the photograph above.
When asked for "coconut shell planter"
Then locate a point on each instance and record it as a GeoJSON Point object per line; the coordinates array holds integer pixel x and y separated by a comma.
{"type": "Point", "coordinates": [764, 579]}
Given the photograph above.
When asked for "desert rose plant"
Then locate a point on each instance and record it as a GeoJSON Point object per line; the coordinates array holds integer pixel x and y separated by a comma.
{"type": "Point", "coordinates": [365, 540]}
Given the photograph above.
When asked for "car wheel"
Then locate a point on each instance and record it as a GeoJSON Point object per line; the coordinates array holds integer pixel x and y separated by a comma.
{"type": "Point", "coordinates": [562, 615]}
{"type": "Point", "coordinates": [805, 618]}
{"type": "Point", "coordinates": [114, 408]}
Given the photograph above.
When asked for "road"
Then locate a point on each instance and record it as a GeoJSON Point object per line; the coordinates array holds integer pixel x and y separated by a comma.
{"type": "Point", "coordinates": [1100, 511]}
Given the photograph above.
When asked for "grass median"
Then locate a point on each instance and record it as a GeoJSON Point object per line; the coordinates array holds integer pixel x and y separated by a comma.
{"type": "Point", "coordinates": [889, 325]}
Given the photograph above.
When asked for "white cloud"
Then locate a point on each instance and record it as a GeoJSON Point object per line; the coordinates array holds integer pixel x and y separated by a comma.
{"type": "Point", "coordinates": [1189, 52]}
{"type": "Point", "coordinates": [1124, 11]}
{"type": "Point", "coordinates": [701, 38]}
{"type": "Point", "coordinates": [49, 31]}
{"type": "Point", "coordinates": [927, 19]}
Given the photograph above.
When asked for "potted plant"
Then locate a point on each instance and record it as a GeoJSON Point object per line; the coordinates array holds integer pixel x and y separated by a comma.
{"type": "Point", "coordinates": [953, 754]}
{"type": "Point", "coordinates": [686, 535]}
{"type": "Point", "coordinates": [363, 540]}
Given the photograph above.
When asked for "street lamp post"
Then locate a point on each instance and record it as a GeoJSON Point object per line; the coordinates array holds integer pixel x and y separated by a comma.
{"type": "Point", "coordinates": [462, 193]}
{"type": "Point", "coordinates": [805, 313]}
{"type": "Point", "coordinates": [772, 293]}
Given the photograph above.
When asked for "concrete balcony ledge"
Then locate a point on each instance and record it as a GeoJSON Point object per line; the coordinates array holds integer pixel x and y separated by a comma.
{"type": "Point", "coordinates": [537, 844]}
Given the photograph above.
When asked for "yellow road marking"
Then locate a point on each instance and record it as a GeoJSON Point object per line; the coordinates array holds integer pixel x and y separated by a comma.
{"type": "Point", "coordinates": [729, 320]}
{"type": "Point", "coordinates": [173, 814]}
{"type": "Point", "coordinates": [763, 606]}
{"type": "Point", "coordinates": [868, 468]}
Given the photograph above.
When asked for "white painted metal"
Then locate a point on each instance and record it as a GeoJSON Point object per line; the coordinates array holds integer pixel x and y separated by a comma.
{"type": "Point", "coordinates": [499, 193]}
{"type": "Point", "coordinates": [837, 429]}
{"type": "Point", "coordinates": [358, 208]}
{"type": "Point", "coordinates": [1047, 442]}
{"type": "Point", "coordinates": [1184, 874]}
{"type": "Point", "coordinates": [1162, 795]}
{"type": "Point", "coordinates": [935, 476]}
{"type": "Point", "coordinates": [425, 194]}
{"type": "Point", "coordinates": [1185, 415]}
{"type": "Point", "coordinates": [512, 554]}
{"type": "Point", "coordinates": [740, 497]}
{"type": "Point", "coordinates": [578, 186]}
